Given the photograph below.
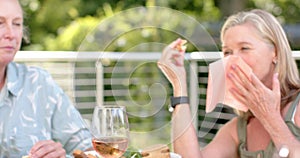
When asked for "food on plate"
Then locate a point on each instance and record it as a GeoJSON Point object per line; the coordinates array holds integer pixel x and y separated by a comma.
{"type": "Point", "coordinates": [181, 46]}
{"type": "Point", "coordinates": [156, 151]}
{"type": "Point", "coordinates": [80, 154]}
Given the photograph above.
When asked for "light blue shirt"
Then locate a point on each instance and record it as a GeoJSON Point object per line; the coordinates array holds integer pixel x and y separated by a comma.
{"type": "Point", "coordinates": [35, 108]}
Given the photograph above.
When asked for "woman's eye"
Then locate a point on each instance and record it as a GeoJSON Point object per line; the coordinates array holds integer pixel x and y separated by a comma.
{"type": "Point", "coordinates": [226, 53]}
{"type": "Point", "coordinates": [245, 48]}
{"type": "Point", "coordinates": [17, 24]}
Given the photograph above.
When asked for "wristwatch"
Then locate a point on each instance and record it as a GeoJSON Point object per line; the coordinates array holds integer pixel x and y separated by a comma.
{"type": "Point", "coordinates": [178, 100]}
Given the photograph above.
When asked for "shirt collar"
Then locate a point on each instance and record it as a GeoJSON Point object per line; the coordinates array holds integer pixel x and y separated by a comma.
{"type": "Point", "coordinates": [14, 78]}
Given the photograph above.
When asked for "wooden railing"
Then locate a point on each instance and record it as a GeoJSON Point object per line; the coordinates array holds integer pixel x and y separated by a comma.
{"type": "Point", "coordinates": [131, 79]}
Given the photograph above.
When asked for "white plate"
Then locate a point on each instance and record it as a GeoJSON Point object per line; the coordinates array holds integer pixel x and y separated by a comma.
{"type": "Point", "coordinates": [172, 155]}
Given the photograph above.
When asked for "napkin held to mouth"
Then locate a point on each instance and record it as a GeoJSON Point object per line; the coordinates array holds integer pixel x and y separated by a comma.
{"type": "Point", "coordinates": [219, 84]}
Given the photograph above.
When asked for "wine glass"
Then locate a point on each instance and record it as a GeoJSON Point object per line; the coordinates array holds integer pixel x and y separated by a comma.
{"type": "Point", "coordinates": [110, 130]}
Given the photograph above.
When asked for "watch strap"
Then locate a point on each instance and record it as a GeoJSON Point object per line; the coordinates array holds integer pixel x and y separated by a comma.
{"type": "Point", "coordinates": [179, 100]}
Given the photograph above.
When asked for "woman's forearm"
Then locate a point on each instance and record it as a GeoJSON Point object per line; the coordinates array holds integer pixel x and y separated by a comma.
{"type": "Point", "coordinates": [184, 137]}
{"type": "Point", "coordinates": [282, 136]}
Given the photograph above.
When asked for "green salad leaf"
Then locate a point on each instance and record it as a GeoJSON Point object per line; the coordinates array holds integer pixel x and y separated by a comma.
{"type": "Point", "coordinates": [132, 153]}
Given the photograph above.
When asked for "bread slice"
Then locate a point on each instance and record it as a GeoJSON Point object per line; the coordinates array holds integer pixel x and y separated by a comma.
{"type": "Point", "coordinates": [181, 46]}
{"type": "Point", "coordinates": [156, 151]}
{"type": "Point", "coordinates": [80, 154]}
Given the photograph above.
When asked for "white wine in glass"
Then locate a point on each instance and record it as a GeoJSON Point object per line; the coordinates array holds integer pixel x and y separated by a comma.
{"type": "Point", "coordinates": [110, 130]}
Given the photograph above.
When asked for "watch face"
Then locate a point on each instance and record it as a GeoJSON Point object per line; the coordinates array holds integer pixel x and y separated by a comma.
{"type": "Point", "coordinates": [171, 109]}
{"type": "Point", "coordinates": [284, 152]}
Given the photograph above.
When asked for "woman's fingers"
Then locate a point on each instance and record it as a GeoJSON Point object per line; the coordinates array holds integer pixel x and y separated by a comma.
{"type": "Point", "coordinates": [177, 44]}
{"type": "Point", "coordinates": [171, 64]}
{"type": "Point", "coordinates": [172, 56]}
{"type": "Point", "coordinates": [47, 148]}
{"type": "Point", "coordinates": [253, 93]}
{"type": "Point", "coordinates": [276, 85]}
{"type": "Point", "coordinates": [240, 80]}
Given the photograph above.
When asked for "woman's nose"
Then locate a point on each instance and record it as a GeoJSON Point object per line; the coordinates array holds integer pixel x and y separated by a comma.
{"type": "Point", "coordinates": [236, 53]}
{"type": "Point", "coordinates": [9, 32]}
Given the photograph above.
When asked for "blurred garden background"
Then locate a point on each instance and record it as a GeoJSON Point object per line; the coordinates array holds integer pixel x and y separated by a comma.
{"type": "Point", "coordinates": [62, 25]}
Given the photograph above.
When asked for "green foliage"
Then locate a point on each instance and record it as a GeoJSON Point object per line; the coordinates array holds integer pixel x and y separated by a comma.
{"type": "Point", "coordinates": [287, 10]}
{"type": "Point", "coordinates": [132, 153]}
{"type": "Point", "coordinates": [70, 38]}
{"type": "Point", "coordinates": [62, 25]}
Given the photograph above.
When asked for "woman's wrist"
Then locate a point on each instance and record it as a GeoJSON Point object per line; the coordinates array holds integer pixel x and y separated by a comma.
{"type": "Point", "coordinates": [179, 100]}
{"type": "Point", "coordinates": [280, 133]}
{"type": "Point", "coordinates": [180, 90]}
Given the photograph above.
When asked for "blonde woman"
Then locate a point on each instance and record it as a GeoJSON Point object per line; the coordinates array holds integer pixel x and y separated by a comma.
{"type": "Point", "coordinates": [272, 94]}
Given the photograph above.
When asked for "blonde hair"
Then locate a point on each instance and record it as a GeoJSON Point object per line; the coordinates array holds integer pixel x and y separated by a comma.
{"type": "Point", "coordinates": [272, 32]}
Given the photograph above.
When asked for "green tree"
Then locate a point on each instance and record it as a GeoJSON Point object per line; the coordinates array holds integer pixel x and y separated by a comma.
{"type": "Point", "coordinates": [71, 36]}
{"type": "Point", "coordinates": [51, 21]}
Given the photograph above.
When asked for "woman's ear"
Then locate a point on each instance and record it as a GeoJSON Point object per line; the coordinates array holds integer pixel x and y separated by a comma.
{"type": "Point", "coordinates": [275, 58]}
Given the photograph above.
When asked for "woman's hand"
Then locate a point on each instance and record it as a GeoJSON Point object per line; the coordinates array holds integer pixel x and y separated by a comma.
{"type": "Point", "coordinates": [47, 149]}
{"type": "Point", "coordinates": [171, 64]}
{"type": "Point", "coordinates": [263, 102]}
